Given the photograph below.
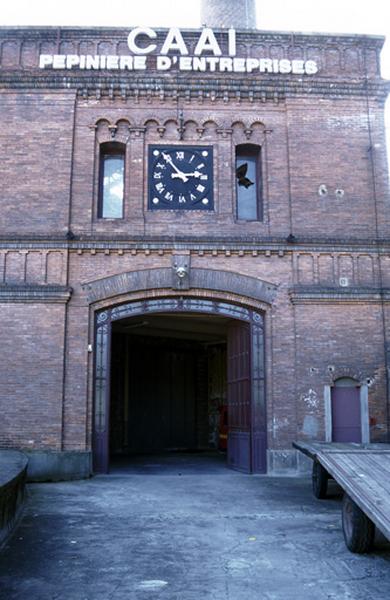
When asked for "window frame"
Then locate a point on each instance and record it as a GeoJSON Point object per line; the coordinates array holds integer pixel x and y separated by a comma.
{"type": "Point", "coordinates": [250, 151]}
{"type": "Point", "coordinates": [110, 149]}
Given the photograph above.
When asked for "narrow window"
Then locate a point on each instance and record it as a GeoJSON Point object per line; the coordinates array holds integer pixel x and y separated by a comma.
{"type": "Point", "coordinates": [111, 180]}
{"type": "Point", "coordinates": [248, 186]}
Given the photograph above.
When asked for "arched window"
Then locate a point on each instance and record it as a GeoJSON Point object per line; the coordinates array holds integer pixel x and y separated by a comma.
{"type": "Point", "coordinates": [111, 180]}
{"type": "Point", "coordinates": [248, 182]}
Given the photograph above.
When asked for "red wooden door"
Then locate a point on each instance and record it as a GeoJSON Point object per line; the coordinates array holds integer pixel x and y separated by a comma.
{"type": "Point", "coordinates": [239, 397]}
{"type": "Point", "coordinates": [346, 414]}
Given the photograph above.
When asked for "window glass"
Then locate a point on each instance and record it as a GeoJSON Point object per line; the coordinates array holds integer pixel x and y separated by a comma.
{"type": "Point", "coordinates": [248, 183]}
{"type": "Point", "coordinates": [111, 187]}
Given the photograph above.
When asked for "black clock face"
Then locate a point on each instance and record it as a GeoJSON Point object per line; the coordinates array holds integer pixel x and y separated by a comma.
{"type": "Point", "coordinates": [181, 178]}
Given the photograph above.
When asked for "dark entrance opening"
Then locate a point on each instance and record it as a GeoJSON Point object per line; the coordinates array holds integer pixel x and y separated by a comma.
{"type": "Point", "coordinates": [160, 383]}
{"type": "Point", "coordinates": [168, 384]}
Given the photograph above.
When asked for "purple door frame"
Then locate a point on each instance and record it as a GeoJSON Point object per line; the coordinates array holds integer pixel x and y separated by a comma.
{"type": "Point", "coordinates": [254, 322]}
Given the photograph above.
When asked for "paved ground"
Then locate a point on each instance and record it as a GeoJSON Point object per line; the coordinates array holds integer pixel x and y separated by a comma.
{"type": "Point", "coordinates": [186, 528]}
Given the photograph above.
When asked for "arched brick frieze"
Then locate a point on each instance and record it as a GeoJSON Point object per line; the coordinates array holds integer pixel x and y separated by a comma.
{"type": "Point", "coordinates": [155, 279]}
{"type": "Point", "coordinates": [171, 126]}
{"type": "Point", "coordinates": [208, 129]}
{"type": "Point", "coordinates": [190, 130]}
{"type": "Point", "coordinates": [112, 131]}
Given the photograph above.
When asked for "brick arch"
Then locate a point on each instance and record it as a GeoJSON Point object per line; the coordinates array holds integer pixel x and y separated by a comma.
{"type": "Point", "coordinates": [165, 278]}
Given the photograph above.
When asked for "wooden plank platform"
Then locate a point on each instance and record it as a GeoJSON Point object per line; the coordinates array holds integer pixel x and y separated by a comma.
{"type": "Point", "coordinates": [362, 470]}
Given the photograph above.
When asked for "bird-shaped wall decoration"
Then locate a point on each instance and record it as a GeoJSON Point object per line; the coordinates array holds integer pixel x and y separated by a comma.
{"type": "Point", "coordinates": [241, 175]}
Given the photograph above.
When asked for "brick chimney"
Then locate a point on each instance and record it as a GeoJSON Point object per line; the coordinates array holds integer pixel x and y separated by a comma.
{"type": "Point", "coordinates": [240, 14]}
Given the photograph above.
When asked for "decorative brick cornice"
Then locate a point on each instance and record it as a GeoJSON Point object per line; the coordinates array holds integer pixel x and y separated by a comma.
{"type": "Point", "coordinates": [247, 243]}
{"type": "Point", "coordinates": [259, 90]}
{"type": "Point", "coordinates": [56, 294]}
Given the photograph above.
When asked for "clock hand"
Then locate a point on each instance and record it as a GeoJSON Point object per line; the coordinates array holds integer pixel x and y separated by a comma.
{"type": "Point", "coordinates": [196, 174]}
{"type": "Point", "coordinates": [179, 173]}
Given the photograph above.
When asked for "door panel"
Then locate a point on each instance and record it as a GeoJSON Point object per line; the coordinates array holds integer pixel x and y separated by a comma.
{"type": "Point", "coordinates": [162, 399]}
{"type": "Point", "coordinates": [239, 397]}
{"type": "Point", "coordinates": [346, 414]}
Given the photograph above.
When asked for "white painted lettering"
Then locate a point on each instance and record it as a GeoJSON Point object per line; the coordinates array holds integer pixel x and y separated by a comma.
{"type": "Point", "coordinates": [174, 41]}
{"type": "Point", "coordinates": [226, 64]}
{"type": "Point", "coordinates": [139, 63]}
{"type": "Point", "coordinates": [265, 65]}
{"type": "Point", "coordinates": [72, 60]}
{"type": "Point", "coordinates": [45, 60]}
{"type": "Point", "coordinates": [132, 40]}
{"type": "Point", "coordinates": [252, 64]}
{"type": "Point", "coordinates": [285, 66]}
{"type": "Point", "coordinates": [212, 62]}
{"type": "Point", "coordinates": [163, 63]}
{"type": "Point", "coordinates": [139, 44]}
{"type": "Point", "coordinates": [185, 63]}
{"type": "Point", "coordinates": [112, 62]}
{"type": "Point", "coordinates": [199, 63]}
{"type": "Point", "coordinates": [232, 42]}
{"type": "Point", "coordinates": [311, 67]}
{"type": "Point", "coordinates": [208, 42]}
{"type": "Point", "coordinates": [239, 65]}
{"type": "Point", "coordinates": [126, 62]}
{"type": "Point", "coordinates": [298, 67]}
{"type": "Point", "coordinates": [59, 61]}
{"type": "Point", "coordinates": [92, 62]}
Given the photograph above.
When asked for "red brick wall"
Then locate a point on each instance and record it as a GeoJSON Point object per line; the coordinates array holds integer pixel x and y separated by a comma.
{"type": "Point", "coordinates": [306, 144]}
{"type": "Point", "coordinates": [35, 156]}
{"type": "Point", "coordinates": [31, 379]}
{"type": "Point", "coordinates": [330, 135]}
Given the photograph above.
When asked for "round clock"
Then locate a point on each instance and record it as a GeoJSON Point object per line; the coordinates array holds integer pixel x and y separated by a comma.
{"type": "Point", "coordinates": [181, 177]}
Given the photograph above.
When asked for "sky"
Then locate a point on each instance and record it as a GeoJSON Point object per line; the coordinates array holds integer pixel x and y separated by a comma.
{"type": "Point", "coordinates": [333, 16]}
{"type": "Point", "coordinates": [346, 16]}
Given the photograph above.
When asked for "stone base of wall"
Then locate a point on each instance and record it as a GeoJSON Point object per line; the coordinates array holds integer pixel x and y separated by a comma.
{"type": "Point", "coordinates": [46, 465]}
{"type": "Point", "coordinates": [13, 467]}
{"type": "Point", "coordinates": [61, 466]}
{"type": "Point", "coordinates": [288, 462]}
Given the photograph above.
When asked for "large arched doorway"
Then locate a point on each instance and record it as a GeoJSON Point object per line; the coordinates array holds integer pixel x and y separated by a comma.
{"type": "Point", "coordinates": [150, 363]}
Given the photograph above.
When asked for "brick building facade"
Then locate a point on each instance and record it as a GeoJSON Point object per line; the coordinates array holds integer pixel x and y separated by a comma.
{"type": "Point", "coordinates": [95, 305]}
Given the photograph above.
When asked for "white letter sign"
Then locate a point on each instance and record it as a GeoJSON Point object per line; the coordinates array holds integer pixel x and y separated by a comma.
{"type": "Point", "coordinates": [207, 41]}
{"type": "Point", "coordinates": [131, 40]}
{"type": "Point", "coordinates": [174, 41]}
